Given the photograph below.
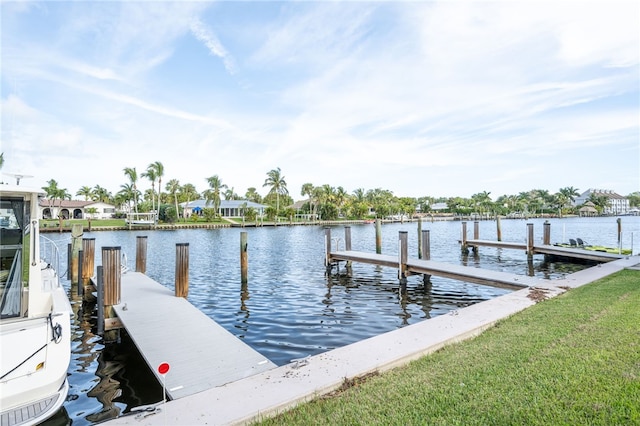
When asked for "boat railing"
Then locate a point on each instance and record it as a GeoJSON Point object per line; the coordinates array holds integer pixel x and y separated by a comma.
{"type": "Point", "coordinates": [49, 253]}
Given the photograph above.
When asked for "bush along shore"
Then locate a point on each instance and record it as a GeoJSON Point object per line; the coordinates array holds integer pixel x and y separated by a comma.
{"type": "Point", "coordinates": [573, 359]}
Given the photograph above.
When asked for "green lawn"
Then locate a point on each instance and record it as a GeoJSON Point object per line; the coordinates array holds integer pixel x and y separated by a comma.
{"type": "Point", "coordinates": [570, 360]}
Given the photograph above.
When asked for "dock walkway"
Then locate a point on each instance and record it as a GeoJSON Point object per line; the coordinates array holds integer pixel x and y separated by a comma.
{"type": "Point", "coordinates": [168, 329]}
{"type": "Point", "coordinates": [446, 270]}
{"type": "Point", "coordinates": [548, 249]}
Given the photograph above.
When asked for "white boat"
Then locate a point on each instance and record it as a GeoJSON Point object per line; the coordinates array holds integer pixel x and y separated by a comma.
{"type": "Point", "coordinates": [35, 314]}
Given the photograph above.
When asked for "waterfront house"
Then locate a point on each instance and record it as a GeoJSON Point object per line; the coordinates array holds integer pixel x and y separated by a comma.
{"type": "Point", "coordinates": [617, 204]}
{"type": "Point", "coordinates": [76, 209]}
{"type": "Point", "coordinates": [228, 208]}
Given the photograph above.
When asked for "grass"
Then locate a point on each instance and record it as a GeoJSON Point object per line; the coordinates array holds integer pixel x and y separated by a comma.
{"type": "Point", "coordinates": [97, 223]}
{"type": "Point", "coordinates": [573, 359]}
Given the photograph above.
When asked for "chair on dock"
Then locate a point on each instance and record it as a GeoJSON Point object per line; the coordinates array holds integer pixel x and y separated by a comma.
{"type": "Point", "coordinates": [581, 243]}
{"type": "Point", "coordinates": [572, 242]}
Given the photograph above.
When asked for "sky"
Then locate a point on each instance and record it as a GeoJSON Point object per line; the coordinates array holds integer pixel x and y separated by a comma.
{"type": "Point", "coordinates": [420, 98]}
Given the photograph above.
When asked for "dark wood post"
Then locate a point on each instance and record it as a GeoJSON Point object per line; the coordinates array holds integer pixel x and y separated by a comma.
{"type": "Point", "coordinates": [69, 256]}
{"type": "Point", "coordinates": [546, 237]}
{"type": "Point", "coordinates": [141, 254]}
{"type": "Point", "coordinates": [182, 270]}
{"type": "Point", "coordinates": [80, 290]}
{"type": "Point", "coordinates": [403, 254]}
{"type": "Point", "coordinates": [88, 259]}
{"type": "Point", "coordinates": [419, 238]}
{"type": "Point", "coordinates": [327, 248]}
{"type": "Point", "coordinates": [619, 221]}
{"type": "Point", "coordinates": [378, 236]}
{"type": "Point", "coordinates": [111, 286]}
{"type": "Point", "coordinates": [530, 239]}
{"type": "Point", "coordinates": [244, 263]}
{"type": "Point", "coordinates": [100, 298]}
{"type": "Point", "coordinates": [499, 228]}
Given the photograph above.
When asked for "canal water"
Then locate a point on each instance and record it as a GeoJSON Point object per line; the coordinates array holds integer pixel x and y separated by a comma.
{"type": "Point", "coordinates": [290, 307]}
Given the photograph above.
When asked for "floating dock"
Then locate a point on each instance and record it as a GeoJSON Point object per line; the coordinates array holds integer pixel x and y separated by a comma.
{"type": "Point", "coordinates": [201, 354]}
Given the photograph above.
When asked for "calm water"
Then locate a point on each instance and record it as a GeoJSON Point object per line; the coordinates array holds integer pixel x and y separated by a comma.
{"type": "Point", "coordinates": [290, 308]}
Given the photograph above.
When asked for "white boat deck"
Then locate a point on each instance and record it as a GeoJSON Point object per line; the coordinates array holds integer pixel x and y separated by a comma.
{"type": "Point", "coordinates": [168, 329]}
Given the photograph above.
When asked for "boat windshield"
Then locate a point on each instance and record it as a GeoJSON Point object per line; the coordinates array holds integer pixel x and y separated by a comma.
{"type": "Point", "coordinates": [14, 254]}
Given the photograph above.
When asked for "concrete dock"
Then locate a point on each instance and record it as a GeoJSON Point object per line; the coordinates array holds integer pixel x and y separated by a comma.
{"type": "Point", "coordinates": [201, 354]}
{"type": "Point", "coordinates": [277, 389]}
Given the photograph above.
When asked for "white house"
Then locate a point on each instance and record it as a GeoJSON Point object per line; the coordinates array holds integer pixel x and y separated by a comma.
{"type": "Point", "coordinates": [617, 203]}
{"type": "Point", "coordinates": [228, 208]}
{"type": "Point", "coordinates": [75, 209]}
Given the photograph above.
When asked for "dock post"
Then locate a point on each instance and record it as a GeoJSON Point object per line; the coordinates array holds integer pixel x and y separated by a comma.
{"type": "Point", "coordinates": [619, 221]}
{"type": "Point", "coordinates": [141, 254]}
{"type": "Point", "coordinates": [88, 259]}
{"type": "Point", "coordinates": [347, 247]}
{"type": "Point", "coordinates": [546, 234]}
{"type": "Point", "coordinates": [76, 244]}
{"type": "Point", "coordinates": [182, 270]}
{"type": "Point", "coordinates": [402, 259]}
{"type": "Point", "coordinates": [426, 252]}
{"type": "Point", "coordinates": [464, 237]}
{"type": "Point", "coordinates": [476, 234]}
{"type": "Point", "coordinates": [419, 238]}
{"type": "Point", "coordinates": [100, 299]}
{"type": "Point", "coordinates": [69, 256]}
{"type": "Point", "coordinates": [327, 248]}
{"type": "Point", "coordinates": [378, 237]}
{"type": "Point", "coordinates": [529, 240]}
{"type": "Point", "coordinates": [80, 290]}
{"type": "Point", "coordinates": [498, 228]}
{"type": "Point", "coordinates": [111, 286]}
{"type": "Point", "coordinates": [244, 263]}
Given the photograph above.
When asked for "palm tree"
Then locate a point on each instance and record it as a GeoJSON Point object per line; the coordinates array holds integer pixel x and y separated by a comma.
{"type": "Point", "coordinates": [159, 169]}
{"type": "Point", "coordinates": [173, 186]}
{"type": "Point", "coordinates": [52, 192]}
{"type": "Point", "coordinates": [212, 195]}
{"type": "Point", "coordinates": [85, 192]}
{"type": "Point", "coordinates": [278, 185]}
{"type": "Point", "coordinates": [99, 193]}
{"type": "Point", "coordinates": [152, 176]}
{"type": "Point", "coordinates": [187, 192]}
{"type": "Point", "coordinates": [252, 195]}
{"type": "Point", "coordinates": [131, 173]}
{"type": "Point", "coordinates": [128, 193]}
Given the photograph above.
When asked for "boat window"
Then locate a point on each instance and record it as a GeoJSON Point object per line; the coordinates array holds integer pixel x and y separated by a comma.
{"type": "Point", "coordinates": [14, 254]}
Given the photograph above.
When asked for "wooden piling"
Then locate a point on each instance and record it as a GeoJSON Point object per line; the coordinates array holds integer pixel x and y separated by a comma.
{"type": "Point", "coordinates": [619, 221]}
{"type": "Point", "coordinates": [476, 230]}
{"type": "Point", "coordinates": [403, 254]}
{"type": "Point", "coordinates": [244, 262]}
{"type": "Point", "coordinates": [419, 238]}
{"type": "Point", "coordinates": [141, 254]}
{"type": "Point", "coordinates": [464, 237]}
{"type": "Point", "coordinates": [546, 233]}
{"type": "Point", "coordinates": [88, 259]}
{"type": "Point", "coordinates": [182, 270]}
{"type": "Point", "coordinates": [111, 289]}
{"type": "Point", "coordinates": [530, 240]}
{"type": "Point", "coordinates": [426, 252]}
{"type": "Point", "coordinates": [76, 245]}
{"type": "Point", "coordinates": [327, 248]}
{"type": "Point", "coordinates": [347, 247]}
{"type": "Point", "coordinates": [498, 228]}
{"type": "Point", "coordinates": [80, 290]}
{"type": "Point", "coordinates": [378, 236]}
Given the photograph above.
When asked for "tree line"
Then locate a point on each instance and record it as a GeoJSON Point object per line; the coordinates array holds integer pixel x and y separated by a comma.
{"type": "Point", "coordinates": [324, 202]}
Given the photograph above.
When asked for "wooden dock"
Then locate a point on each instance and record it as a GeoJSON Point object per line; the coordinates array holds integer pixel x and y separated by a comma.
{"type": "Point", "coordinates": [549, 249]}
{"type": "Point", "coordinates": [166, 329]}
{"type": "Point", "coordinates": [440, 269]}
